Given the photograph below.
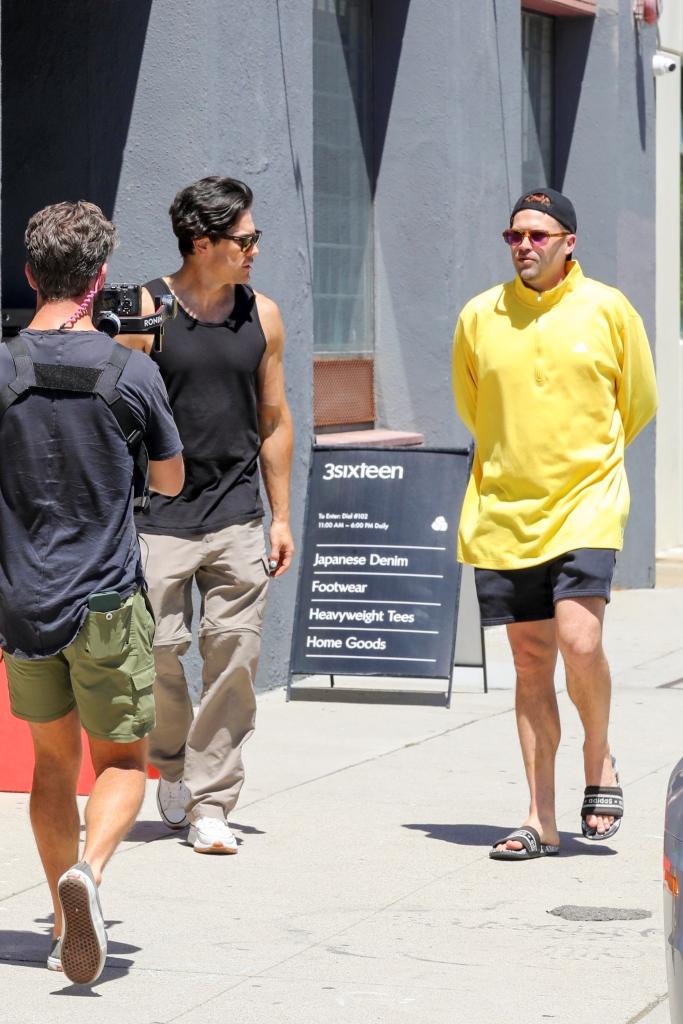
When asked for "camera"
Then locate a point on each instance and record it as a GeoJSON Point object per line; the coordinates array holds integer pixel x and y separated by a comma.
{"type": "Point", "coordinates": [122, 299]}
{"type": "Point", "coordinates": [117, 309]}
{"type": "Point", "coordinates": [663, 63]}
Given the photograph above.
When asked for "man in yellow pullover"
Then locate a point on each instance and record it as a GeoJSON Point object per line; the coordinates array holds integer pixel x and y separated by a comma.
{"type": "Point", "coordinates": [553, 376]}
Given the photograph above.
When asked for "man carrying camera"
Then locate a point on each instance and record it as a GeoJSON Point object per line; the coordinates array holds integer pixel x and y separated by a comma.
{"type": "Point", "coordinates": [222, 365]}
{"type": "Point", "coordinates": [74, 623]}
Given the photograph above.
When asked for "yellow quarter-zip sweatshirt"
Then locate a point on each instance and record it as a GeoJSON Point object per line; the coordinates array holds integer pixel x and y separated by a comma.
{"type": "Point", "coordinates": [552, 385]}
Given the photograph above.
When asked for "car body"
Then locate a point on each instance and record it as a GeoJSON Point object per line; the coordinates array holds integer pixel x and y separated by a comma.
{"type": "Point", "coordinates": [673, 892]}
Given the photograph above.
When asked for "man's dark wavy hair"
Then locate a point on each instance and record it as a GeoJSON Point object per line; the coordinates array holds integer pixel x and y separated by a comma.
{"type": "Point", "coordinates": [208, 209]}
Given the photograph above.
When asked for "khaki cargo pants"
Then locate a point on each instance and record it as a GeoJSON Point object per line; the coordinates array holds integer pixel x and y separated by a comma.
{"type": "Point", "coordinates": [205, 748]}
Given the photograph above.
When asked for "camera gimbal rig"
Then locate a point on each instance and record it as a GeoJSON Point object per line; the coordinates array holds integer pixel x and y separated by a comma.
{"type": "Point", "coordinates": [117, 311]}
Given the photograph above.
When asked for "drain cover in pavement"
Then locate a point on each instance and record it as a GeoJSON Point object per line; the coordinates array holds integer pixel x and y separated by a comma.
{"type": "Point", "coordinates": [572, 913]}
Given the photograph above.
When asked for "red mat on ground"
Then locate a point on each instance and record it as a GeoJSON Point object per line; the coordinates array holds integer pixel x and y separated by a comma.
{"type": "Point", "coordinates": [16, 752]}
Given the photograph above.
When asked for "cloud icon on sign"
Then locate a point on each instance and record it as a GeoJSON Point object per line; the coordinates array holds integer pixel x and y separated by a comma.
{"type": "Point", "coordinates": [440, 524]}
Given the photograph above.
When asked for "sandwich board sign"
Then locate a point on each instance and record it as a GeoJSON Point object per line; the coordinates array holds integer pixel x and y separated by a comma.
{"type": "Point", "coordinates": [378, 579]}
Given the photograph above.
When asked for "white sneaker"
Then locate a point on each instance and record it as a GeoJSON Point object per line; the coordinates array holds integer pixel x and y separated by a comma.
{"type": "Point", "coordinates": [171, 800]}
{"type": "Point", "coordinates": [212, 835]}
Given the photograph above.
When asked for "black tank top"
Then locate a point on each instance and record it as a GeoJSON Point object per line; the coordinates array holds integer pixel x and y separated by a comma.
{"type": "Point", "coordinates": [210, 374]}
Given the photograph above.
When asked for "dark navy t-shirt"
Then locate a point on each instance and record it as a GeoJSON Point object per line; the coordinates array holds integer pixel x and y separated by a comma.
{"type": "Point", "coordinates": [66, 492]}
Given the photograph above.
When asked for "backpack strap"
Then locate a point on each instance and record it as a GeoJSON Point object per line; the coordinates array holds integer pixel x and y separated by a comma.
{"type": "Point", "coordinates": [129, 424]}
{"type": "Point", "coordinates": [106, 388]}
{"type": "Point", "coordinates": [25, 374]}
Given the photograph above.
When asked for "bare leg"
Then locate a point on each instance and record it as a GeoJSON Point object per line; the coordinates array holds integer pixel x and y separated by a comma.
{"type": "Point", "coordinates": [534, 650]}
{"type": "Point", "coordinates": [579, 634]}
{"type": "Point", "coordinates": [53, 808]}
{"type": "Point", "coordinates": [115, 799]}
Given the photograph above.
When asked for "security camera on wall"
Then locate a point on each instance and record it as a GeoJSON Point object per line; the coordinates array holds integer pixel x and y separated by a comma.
{"type": "Point", "coordinates": [663, 64]}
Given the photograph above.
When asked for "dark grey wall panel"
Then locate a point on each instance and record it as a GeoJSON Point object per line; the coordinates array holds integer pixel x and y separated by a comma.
{"type": "Point", "coordinates": [69, 75]}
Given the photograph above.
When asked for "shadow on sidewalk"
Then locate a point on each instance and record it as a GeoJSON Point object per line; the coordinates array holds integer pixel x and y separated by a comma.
{"type": "Point", "coordinates": [247, 830]}
{"type": "Point", "coordinates": [30, 949]}
{"type": "Point", "coordinates": [485, 835]}
{"type": "Point", "coordinates": [152, 831]}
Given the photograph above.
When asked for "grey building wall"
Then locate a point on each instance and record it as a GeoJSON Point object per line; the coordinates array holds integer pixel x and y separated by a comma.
{"type": "Point", "coordinates": [447, 171]}
{"type": "Point", "coordinates": [448, 167]}
{"type": "Point", "coordinates": [607, 125]}
{"type": "Point", "coordinates": [127, 102]}
{"type": "Point", "coordinates": [226, 88]}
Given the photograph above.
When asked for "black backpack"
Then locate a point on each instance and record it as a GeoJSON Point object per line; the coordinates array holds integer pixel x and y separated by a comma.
{"type": "Point", "coordinates": [90, 380]}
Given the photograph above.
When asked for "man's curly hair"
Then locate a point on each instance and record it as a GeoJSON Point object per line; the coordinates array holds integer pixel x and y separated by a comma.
{"type": "Point", "coordinates": [66, 244]}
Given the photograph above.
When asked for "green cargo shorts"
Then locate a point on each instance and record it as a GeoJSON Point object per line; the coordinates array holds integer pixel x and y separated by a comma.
{"type": "Point", "coordinates": [107, 673]}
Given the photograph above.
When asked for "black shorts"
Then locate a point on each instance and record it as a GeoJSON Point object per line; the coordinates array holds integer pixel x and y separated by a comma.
{"type": "Point", "coordinates": [526, 595]}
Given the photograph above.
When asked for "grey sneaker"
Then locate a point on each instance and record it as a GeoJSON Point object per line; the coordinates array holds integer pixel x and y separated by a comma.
{"type": "Point", "coordinates": [171, 800]}
{"type": "Point", "coordinates": [54, 957]}
{"type": "Point", "coordinates": [84, 940]}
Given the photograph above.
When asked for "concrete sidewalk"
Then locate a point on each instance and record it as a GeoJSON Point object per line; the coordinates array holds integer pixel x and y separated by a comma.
{"type": "Point", "coordinates": [363, 892]}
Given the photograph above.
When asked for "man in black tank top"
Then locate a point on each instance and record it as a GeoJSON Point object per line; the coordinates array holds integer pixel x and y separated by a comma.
{"type": "Point", "coordinates": [222, 366]}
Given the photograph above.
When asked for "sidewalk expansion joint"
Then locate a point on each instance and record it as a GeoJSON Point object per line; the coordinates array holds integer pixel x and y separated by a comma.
{"type": "Point", "coordinates": [658, 657]}
{"type": "Point", "coordinates": [669, 686]}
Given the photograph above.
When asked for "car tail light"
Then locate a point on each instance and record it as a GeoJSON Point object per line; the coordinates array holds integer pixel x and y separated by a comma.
{"type": "Point", "coordinates": [670, 880]}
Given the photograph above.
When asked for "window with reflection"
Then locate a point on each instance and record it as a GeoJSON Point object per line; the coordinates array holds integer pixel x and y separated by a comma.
{"type": "Point", "coordinates": [342, 176]}
{"type": "Point", "coordinates": [538, 99]}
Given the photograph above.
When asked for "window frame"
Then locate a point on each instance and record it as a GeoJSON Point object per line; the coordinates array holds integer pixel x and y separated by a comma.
{"type": "Point", "coordinates": [562, 8]}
